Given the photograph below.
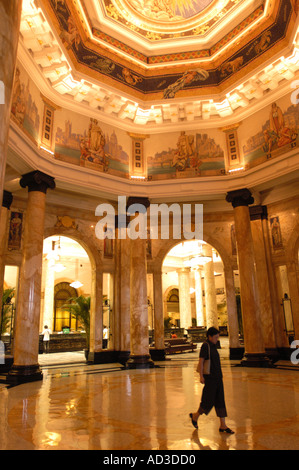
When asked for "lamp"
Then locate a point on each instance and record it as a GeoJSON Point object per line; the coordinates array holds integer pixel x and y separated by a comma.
{"type": "Point", "coordinates": [76, 284]}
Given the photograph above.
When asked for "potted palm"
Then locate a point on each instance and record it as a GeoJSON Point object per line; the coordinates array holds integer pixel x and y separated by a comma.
{"type": "Point", "coordinates": [79, 307]}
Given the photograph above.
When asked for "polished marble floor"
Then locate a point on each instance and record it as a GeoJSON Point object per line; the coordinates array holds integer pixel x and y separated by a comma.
{"type": "Point", "coordinates": [80, 407]}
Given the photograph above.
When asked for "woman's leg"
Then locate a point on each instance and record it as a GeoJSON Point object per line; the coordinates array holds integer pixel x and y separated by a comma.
{"type": "Point", "coordinates": [207, 398]}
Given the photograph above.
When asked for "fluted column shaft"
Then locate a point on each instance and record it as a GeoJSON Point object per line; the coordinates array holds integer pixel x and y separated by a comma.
{"type": "Point", "coordinates": [158, 310]}
{"type": "Point", "coordinates": [200, 321]}
{"type": "Point", "coordinates": [185, 298]}
{"type": "Point", "coordinates": [210, 289]}
{"type": "Point", "coordinates": [232, 315]}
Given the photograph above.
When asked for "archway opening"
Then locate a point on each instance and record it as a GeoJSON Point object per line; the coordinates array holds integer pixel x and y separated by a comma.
{"type": "Point", "coordinates": [67, 274]}
{"type": "Point", "coordinates": [194, 289]}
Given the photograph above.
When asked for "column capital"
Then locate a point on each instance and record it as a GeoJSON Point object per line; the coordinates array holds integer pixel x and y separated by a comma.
{"type": "Point", "coordinates": [37, 181]}
{"type": "Point", "coordinates": [185, 270]}
{"type": "Point", "coordinates": [258, 212]}
{"type": "Point", "coordinates": [144, 201]}
{"type": "Point", "coordinates": [240, 197]}
{"type": "Point", "coordinates": [7, 199]}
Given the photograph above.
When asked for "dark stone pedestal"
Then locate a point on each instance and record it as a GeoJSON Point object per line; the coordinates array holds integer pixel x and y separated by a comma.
{"type": "Point", "coordinates": [236, 353]}
{"type": "Point", "coordinates": [273, 354]}
{"type": "Point", "coordinates": [256, 360]}
{"type": "Point", "coordinates": [24, 374]}
{"type": "Point", "coordinates": [140, 362]}
{"type": "Point", "coordinates": [157, 354]}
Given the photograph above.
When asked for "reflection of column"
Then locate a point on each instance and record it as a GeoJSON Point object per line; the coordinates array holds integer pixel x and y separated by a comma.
{"type": "Point", "coordinates": [139, 356]}
{"type": "Point", "coordinates": [4, 221]}
{"type": "Point", "coordinates": [257, 214]}
{"type": "Point", "coordinates": [232, 315]}
{"type": "Point", "coordinates": [49, 294]}
{"type": "Point", "coordinates": [26, 336]}
{"type": "Point", "coordinates": [200, 321]}
{"type": "Point", "coordinates": [158, 315]}
{"type": "Point", "coordinates": [185, 298]}
{"type": "Point", "coordinates": [210, 289]}
{"type": "Point", "coordinates": [10, 15]}
{"type": "Point", "coordinates": [253, 336]}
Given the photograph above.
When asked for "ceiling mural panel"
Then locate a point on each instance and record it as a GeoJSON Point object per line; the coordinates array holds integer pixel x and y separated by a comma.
{"type": "Point", "coordinates": [168, 83]}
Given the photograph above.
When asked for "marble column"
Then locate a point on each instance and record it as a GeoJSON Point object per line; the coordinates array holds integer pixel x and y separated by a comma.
{"type": "Point", "coordinates": [292, 274]}
{"type": "Point", "coordinates": [210, 289]}
{"type": "Point", "coordinates": [257, 214]}
{"type": "Point", "coordinates": [124, 299]}
{"type": "Point", "coordinates": [281, 338]}
{"type": "Point", "coordinates": [158, 316]}
{"type": "Point", "coordinates": [10, 16]}
{"type": "Point", "coordinates": [49, 294]}
{"type": "Point", "coordinates": [253, 335]}
{"type": "Point", "coordinates": [4, 222]}
{"type": "Point", "coordinates": [235, 349]}
{"type": "Point", "coordinates": [185, 298]}
{"type": "Point", "coordinates": [96, 317]}
{"type": "Point", "coordinates": [26, 335]}
{"type": "Point", "coordinates": [139, 352]}
{"type": "Point", "coordinates": [200, 320]}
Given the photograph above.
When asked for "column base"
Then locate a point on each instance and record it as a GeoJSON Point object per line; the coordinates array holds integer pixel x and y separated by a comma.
{"type": "Point", "coordinates": [140, 362]}
{"type": "Point", "coordinates": [236, 353]}
{"type": "Point", "coordinates": [256, 360]}
{"type": "Point", "coordinates": [158, 354]}
{"type": "Point", "coordinates": [23, 374]}
{"type": "Point", "coordinates": [273, 354]}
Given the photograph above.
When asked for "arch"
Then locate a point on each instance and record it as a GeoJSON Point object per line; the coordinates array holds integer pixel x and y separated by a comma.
{"type": "Point", "coordinates": [80, 238]}
{"type": "Point", "coordinates": [227, 259]}
{"type": "Point", "coordinates": [62, 292]}
{"type": "Point", "coordinates": [96, 304]}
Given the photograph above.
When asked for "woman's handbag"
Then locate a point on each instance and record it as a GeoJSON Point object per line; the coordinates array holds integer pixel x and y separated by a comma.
{"type": "Point", "coordinates": [206, 364]}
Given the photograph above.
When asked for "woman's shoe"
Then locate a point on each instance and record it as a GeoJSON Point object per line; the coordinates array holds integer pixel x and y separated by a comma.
{"type": "Point", "coordinates": [227, 431]}
{"type": "Point", "coordinates": [192, 421]}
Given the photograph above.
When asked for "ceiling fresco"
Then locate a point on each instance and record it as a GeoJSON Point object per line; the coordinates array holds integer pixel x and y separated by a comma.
{"type": "Point", "coordinates": [81, 58]}
{"type": "Point", "coordinates": [168, 83]}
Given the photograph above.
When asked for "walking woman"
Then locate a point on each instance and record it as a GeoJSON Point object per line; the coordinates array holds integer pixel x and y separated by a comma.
{"type": "Point", "coordinates": [210, 372]}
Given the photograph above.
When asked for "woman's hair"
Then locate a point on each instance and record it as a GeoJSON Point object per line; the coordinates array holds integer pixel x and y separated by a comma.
{"type": "Point", "coordinates": [212, 331]}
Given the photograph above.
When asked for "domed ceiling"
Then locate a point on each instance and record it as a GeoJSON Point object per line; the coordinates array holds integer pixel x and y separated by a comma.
{"type": "Point", "coordinates": [154, 53]}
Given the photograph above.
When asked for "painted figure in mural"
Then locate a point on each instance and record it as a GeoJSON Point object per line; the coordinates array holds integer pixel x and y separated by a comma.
{"type": "Point", "coordinates": [15, 228]}
{"type": "Point", "coordinates": [261, 44]}
{"type": "Point", "coordinates": [96, 137]}
{"type": "Point", "coordinates": [130, 78]}
{"type": "Point", "coordinates": [278, 133]}
{"type": "Point", "coordinates": [276, 119]}
{"type": "Point", "coordinates": [186, 79]}
{"type": "Point", "coordinates": [232, 66]}
{"type": "Point", "coordinates": [275, 232]}
{"type": "Point", "coordinates": [185, 151]}
{"type": "Point", "coordinates": [92, 147]}
{"type": "Point", "coordinates": [169, 10]}
{"type": "Point", "coordinates": [71, 36]}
